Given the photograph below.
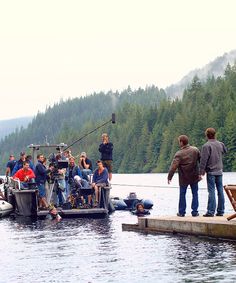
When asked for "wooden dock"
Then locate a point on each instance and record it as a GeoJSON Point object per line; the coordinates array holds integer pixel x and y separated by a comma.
{"type": "Point", "coordinates": [216, 227]}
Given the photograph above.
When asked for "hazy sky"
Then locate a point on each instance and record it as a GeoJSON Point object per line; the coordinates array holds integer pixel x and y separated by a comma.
{"type": "Point", "coordinates": [52, 49]}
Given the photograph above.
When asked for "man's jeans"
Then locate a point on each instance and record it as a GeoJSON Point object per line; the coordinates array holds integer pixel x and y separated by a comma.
{"type": "Point", "coordinates": [212, 181]}
{"type": "Point", "coordinates": [182, 199]}
{"type": "Point", "coordinates": [61, 183]}
{"type": "Point", "coordinates": [86, 173]}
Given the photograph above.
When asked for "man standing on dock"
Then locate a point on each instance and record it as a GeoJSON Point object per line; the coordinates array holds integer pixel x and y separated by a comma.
{"type": "Point", "coordinates": [186, 160]}
{"type": "Point", "coordinates": [212, 164]}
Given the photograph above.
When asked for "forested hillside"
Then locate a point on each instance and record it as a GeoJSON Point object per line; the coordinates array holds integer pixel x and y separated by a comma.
{"type": "Point", "coordinates": [68, 120]}
{"type": "Point", "coordinates": [10, 125]}
{"type": "Point", "coordinates": [147, 127]}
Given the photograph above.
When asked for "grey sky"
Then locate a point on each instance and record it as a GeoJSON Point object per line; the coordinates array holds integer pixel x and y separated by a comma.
{"type": "Point", "coordinates": [52, 49]}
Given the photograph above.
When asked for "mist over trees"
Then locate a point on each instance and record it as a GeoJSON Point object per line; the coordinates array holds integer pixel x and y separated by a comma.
{"type": "Point", "coordinates": [10, 125]}
{"type": "Point", "coordinates": [148, 124]}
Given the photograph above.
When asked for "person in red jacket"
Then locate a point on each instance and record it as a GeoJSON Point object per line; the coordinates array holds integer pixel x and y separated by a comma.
{"type": "Point", "coordinates": [24, 174]}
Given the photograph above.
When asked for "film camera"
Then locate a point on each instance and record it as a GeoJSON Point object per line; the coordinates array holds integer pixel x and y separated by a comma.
{"type": "Point", "coordinates": [56, 164]}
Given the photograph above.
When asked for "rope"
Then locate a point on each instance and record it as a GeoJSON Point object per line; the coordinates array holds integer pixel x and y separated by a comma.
{"type": "Point", "coordinates": [149, 186]}
{"type": "Point", "coordinates": [86, 135]}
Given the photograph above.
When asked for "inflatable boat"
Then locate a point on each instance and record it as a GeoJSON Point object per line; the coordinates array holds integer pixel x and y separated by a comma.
{"type": "Point", "coordinates": [5, 208]}
{"type": "Point", "coordinates": [130, 202]}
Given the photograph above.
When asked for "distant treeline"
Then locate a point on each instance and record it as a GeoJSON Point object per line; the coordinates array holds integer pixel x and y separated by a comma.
{"type": "Point", "coordinates": [147, 127]}
{"type": "Point", "coordinates": [10, 125]}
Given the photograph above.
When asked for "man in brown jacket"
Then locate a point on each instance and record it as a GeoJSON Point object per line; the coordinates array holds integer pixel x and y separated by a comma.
{"type": "Point", "coordinates": [186, 160]}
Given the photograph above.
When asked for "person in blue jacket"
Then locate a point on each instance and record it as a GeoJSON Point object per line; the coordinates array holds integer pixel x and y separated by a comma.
{"type": "Point", "coordinates": [10, 165]}
{"type": "Point", "coordinates": [72, 171]}
{"type": "Point", "coordinates": [100, 179]}
{"type": "Point", "coordinates": [41, 173]}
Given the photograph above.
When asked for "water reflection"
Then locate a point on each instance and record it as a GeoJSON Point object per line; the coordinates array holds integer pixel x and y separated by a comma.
{"type": "Point", "coordinates": [97, 250]}
{"type": "Point", "coordinates": [208, 258]}
{"type": "Point", "coordinates": [100, 226]}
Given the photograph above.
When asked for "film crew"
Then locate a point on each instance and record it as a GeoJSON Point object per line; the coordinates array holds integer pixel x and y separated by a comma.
{"type": "Point", "coordinates": [10, 165]}
{"type": "Point", "coordinates": [66, 155]}
{"type": "Point", "coordinates": [25, 175]}
{"type": "Point", "coordinates": [19, 163]}
{"type": "Point", "coordinates": [76, 182]}
{"type": "Point", "coordinates": [57, 177]}
{"type": "Point", "coordinates": [140, 210]}
{"type": "Point", "coordinates": [41, 173]}
{"type": "Point", "coordinates": [72, 171]}
{"type": "Point", "coordinates": [84, 199]}
{"type": "Point", "coordinates": [106, 148]}
{"type": "Point", "coordinates": [100, 179]}
{"type": "Point", "coordinates": [85, 165]}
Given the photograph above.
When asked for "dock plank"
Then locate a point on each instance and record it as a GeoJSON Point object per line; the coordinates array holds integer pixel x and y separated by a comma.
{"type": "Point", "coordinates": [217, 227]}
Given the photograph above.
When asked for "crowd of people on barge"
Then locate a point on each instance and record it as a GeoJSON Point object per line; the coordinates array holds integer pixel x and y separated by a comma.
{"type": "Point", "coordinates": [66, 183]}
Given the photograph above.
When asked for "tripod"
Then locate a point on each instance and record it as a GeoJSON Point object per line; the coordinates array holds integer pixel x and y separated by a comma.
{"type": "Point", "coordinates": [56, 192]}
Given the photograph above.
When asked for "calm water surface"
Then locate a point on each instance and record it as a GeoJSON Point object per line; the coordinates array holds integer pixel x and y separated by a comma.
{"type": "Point", "coordinates": [97, 250]}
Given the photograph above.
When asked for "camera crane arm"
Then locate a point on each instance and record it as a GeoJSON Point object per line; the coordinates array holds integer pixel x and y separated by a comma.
{"type": "Point", "coordinates": [62, 146]}
{"type": "Point", "coordinates": [113, 120]}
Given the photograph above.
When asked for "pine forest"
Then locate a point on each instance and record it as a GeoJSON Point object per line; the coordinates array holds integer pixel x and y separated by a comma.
{"type": "Point", "coordinates": [147, 124]}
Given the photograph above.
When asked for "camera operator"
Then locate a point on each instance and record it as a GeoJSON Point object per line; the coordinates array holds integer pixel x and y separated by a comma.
{"type": "Point", "coordinates": [41, 175]}
{"type": "Point", "coordinates": [57, 176]}
{"type": "Point", "coordinates": [85, 165]}
{"type": "Point", "coordinates": [72, 171]}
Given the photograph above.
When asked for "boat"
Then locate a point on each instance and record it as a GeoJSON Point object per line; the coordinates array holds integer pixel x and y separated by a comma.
{"type": "Point", "coordinates": [24, 202]}
{"type": "Point", "coordinates": [5, 208]}
{"type": "Point", "coordinates": [130, 202]}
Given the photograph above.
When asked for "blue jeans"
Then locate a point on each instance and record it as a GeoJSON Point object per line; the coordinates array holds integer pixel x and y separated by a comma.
{"type": "Point", "coordinates": [60, 193]}
{"type": "Point", "coordinates": [212, 182]}
{"type": "Point", "coordinates": [86, 173]}
{"type": "Point", "coordinates": [182, 198]}
{"type": "Point", "coordinates": [42, 191]}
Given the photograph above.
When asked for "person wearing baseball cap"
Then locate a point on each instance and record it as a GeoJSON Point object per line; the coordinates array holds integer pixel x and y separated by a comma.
{"type": "Point", "coordinates": [85, 165]}
{"type": "Point", "coordinates": [19, 163]}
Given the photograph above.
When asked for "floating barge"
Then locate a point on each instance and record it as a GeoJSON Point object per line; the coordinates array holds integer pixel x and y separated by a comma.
{"type": "Point", "coordinates": [25, 203]}
{"type": "Point", "coordinates": [216, 227]}
{"type": "Point", "coordinates": [73, 213]}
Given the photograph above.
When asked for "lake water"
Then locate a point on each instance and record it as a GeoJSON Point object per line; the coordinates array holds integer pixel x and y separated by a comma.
{"type": "Point", "coordinates": [97, 250]}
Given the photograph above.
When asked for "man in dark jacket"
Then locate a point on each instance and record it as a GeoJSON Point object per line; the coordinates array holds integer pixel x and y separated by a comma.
{"type": "Point", "coordinates": [186, 160]}
{"type": "Point", "coordinates": [212, 164]}
{"type": "Point", "coordinates": [106, 148]}
{"type": "Point", "coordinates": [10, 165]}
{"type": "Point", "coordinates": [41, 176]}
